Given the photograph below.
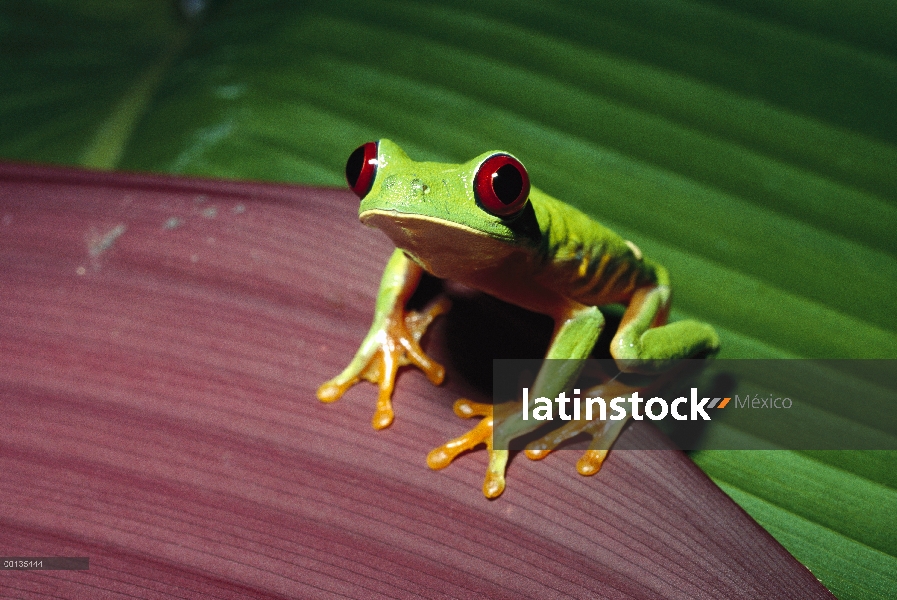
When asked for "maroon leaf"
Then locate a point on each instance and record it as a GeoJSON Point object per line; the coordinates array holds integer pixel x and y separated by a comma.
{"type": "Point", "coordinates": [162, 340]}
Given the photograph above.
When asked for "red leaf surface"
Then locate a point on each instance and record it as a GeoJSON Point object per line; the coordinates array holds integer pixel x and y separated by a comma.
{"type": "Point", "coordinates": [161, 343]}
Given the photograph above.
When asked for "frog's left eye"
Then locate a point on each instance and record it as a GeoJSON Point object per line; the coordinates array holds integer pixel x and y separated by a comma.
{"type": "Point", "coordinates": [501, 185]}
{"type": "Point", "coordinates": [361, 168]}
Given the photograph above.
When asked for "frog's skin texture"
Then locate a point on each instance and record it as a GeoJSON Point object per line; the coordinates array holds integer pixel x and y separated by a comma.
{"type": "Point", "coordinates": [545, 256]}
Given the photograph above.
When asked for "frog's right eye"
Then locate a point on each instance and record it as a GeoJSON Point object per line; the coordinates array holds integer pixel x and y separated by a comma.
{"type": "Point", "coordinates": [361, 168]}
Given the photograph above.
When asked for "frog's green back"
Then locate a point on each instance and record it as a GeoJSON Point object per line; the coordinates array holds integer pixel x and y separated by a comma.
{"type": "Point", "coordinates": [591, 263]}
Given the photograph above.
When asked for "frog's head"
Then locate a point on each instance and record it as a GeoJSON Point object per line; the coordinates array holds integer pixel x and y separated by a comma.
{"type": "Point", "coordinates": [440, 213]}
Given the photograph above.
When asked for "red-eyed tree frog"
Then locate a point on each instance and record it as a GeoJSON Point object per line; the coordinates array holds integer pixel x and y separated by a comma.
{"type": "Point", "coordinates": [481, 224]}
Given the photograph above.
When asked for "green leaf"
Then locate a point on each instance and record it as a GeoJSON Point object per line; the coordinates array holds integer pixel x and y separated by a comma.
{"type": "Point", "coordinates": [76, 76]}
{"type": "Point", "coordinates": [751, 146]}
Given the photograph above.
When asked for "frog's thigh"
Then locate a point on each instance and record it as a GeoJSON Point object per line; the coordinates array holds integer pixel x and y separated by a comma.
{"type": "Point", "coordinates": [644, 343]}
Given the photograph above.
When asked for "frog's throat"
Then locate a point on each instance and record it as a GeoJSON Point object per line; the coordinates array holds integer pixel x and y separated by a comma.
{"type": "Point", "coordinates": [445, 249]}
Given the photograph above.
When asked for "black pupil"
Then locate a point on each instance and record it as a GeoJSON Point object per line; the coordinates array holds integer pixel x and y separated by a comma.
{"type": "Point", "coordinates": [507, 183]}
{"type": "Point", "coordinates": [354, 165]}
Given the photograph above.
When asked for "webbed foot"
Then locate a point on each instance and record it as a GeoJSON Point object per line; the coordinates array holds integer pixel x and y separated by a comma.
{"type": "Point", "coordinates": [389, 345]}
{"type": "Point", "coordinates": [439, 458]}
{"type": "Point", "coordinates": [603, 434]}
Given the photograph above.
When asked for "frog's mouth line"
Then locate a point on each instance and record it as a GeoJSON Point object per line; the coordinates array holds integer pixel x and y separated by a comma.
{"type": "Point", "coordinates": [444, 248]}
{"type": "Point", "coordinates": [398, 217]}
{"type": "Point", "coordinates": [418, 224]}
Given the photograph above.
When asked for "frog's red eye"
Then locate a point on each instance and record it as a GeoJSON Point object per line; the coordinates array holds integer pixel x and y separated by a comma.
{"type": "Point", "coordinates": [361, 168]}
{"type": "Point", "coordinates": [501, 185]}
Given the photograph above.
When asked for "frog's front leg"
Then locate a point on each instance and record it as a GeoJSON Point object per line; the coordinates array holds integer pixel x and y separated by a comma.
{"type": "Point", "coordinates": [440, 457]}
{"type": "Point", "coordinates": [393, 340]}
{"type": "Point", "coordinates": [574, 338]}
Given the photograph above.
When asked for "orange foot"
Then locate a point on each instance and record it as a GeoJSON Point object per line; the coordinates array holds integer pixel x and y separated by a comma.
{"type": "Point", "coordinates": [440, 457]}
{"type": "Point", "coordinates": [603, 433]}
{"type": "Point", "coordinates": [388, 346]}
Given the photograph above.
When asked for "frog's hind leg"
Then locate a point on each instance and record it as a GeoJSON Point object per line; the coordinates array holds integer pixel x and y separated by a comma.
{"type": "Point", "coordinates": [646, 343]}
